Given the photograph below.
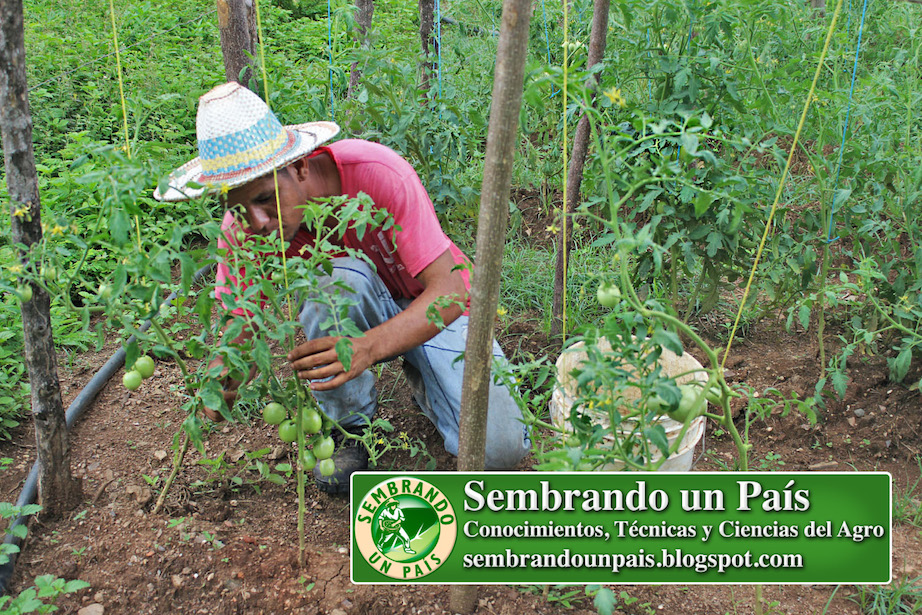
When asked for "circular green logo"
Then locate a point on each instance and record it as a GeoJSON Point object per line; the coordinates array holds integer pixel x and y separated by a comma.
{"type": "Point", "coordinates": [405, 528]}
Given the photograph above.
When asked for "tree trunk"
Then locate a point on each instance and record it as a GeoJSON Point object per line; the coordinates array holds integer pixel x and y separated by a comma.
{"type": "Point", "coordinates": [430, 45]}
{"type": "Point", "coordinates": [575, 171]}
{"type": "Point", "coordinates": [491, 236]}
{"type": "Point", "coordinates": [237, 24]}
{"type": "Point", "coordinates": [364, 11]}
{"type": "Point", "coordinates": [58, 490]}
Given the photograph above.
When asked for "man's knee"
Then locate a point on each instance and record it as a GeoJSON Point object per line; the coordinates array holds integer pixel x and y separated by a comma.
{"type": "Point", "coordinates": [505, 448]}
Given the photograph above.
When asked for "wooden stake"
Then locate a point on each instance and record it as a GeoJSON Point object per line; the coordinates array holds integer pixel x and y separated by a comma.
{"type": "Point", "coordinates": [491, 237]}
{"type": "Point", "coordinates": [237, 24]}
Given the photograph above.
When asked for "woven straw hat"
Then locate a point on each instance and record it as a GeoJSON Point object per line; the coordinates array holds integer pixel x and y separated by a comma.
{"type": "Point", "coordinates": [240, 139]}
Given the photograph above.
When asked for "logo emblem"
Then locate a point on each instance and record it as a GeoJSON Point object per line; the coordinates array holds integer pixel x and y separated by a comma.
{"type": "Point", "coordinates": [405, 528]}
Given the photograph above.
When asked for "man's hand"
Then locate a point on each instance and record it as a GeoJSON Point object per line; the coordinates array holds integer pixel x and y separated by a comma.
{"type": "Point", "coordinates": [317, 360]}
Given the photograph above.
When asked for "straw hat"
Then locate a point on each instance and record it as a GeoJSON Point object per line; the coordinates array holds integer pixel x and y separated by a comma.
{"type": "Point", "coordinates": [240, 139]}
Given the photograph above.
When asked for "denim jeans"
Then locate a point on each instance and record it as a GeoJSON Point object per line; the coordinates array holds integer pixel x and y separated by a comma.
{"type": "Point", "coordinates": [434, 370]}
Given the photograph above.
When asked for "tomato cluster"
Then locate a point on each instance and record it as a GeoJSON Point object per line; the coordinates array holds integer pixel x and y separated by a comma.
{"type": "Point", "coordinates": [321, 452]}
{"type": "Point", "coordinates": [143, 368]}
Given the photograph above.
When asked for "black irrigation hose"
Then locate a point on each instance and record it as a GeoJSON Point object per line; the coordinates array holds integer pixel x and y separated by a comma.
{"type": "Point", "coordinates": [76, 408]}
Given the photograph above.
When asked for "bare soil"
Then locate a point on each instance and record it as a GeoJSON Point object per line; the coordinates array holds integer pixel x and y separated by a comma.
{"type": "Point", "coordinates": [229, 546]}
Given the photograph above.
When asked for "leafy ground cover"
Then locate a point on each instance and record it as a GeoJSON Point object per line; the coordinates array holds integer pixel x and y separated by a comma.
{"type": "Point", "coordinates": [697, 110]}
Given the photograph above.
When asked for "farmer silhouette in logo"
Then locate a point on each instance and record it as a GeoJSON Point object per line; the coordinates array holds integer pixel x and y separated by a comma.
{"type": "Point", "coordinates": [390, 522]}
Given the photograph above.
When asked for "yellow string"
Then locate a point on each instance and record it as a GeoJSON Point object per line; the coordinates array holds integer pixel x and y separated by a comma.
{"type": "Point", "coordinates": [275, 176]}
{"type": "Point", "coordinates": [121, 93]}
{"type": "Point", "coordinates": [563, 226]}
{"type": "Point", "coordinates": [784, 174]}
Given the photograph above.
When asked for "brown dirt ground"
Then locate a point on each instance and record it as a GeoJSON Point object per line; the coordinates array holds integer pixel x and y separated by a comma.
{"type": "Point", "coordinates": [226, 548]}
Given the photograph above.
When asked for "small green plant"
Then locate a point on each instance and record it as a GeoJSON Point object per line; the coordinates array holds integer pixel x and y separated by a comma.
{"type": "Point", "coordinates": [41, 597]}
{"type": "Point", "coordinates": [771, 462]}
{"type": "Point", "coordinates": [902, 597]}
{"type": "Point", "coordinates": [907, 505]}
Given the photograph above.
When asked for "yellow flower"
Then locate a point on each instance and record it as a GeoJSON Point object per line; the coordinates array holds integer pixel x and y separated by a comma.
{"type": "Point", "coordinates": [224, 189]}
{"type": "Point", "coordinates": [615, 96]}
{"type": "Point", "coordinates": [501, 311]}
{"type": "Point", "coordinates": [21, 212]}
{"type": "Point", "coordinates": [16, 269]}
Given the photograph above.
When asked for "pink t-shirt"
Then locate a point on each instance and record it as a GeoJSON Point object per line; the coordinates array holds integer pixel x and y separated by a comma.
{"type": "Point", "coordinates": [397, 255]}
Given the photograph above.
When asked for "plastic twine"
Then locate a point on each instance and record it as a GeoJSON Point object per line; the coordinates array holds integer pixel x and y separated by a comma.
{"type": "Point", "coordinates": [563, 227]}
{"type": "Point", "coordinates": [848, 110]}
{"type": "Point", "coordinates": [121, 94]}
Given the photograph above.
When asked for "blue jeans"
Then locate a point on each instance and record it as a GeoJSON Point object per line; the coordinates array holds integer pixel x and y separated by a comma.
{"type": "Point", "coordinates": [433, 369]}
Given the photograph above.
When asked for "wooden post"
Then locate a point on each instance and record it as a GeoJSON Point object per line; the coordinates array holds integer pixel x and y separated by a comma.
{"type": "Point", "coordinates": [364, 11]}
{"type": "Point", "coordinates": [237, 24]}
{"type": "Point", "coordinates": [429, 44]}
{"type": "Point", "coordinates": [491, 237]}
{"type": "Point", "coordinates": [599, 30]}
{"type": "Point", "coordinates": [58, 490]}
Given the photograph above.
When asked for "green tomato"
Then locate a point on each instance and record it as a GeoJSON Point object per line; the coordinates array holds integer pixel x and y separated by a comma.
{"type": "Point", "coordinates": [278, 277]}
{"type": "Point", "coordinates": [311, 421]}
{"type": "Point", "coordinates": [324, 448]}
{"type": "Point", "coordinates": [241, 237]}
{"type": "Point", "coordinates": [132, 380]}
{"type": "Point", "coordinates": [327, 467]}
{"type": "Point", "coordinates": [288, 431]}
{"type": "Point", "coordinates": [657, 404]}
{"type": "Point", "coordinates": [49, 272]}
{"type": "Point", "coordinates": [145, 366]}
{"type": "Point", "coordinates": [274, 413]}
{"type": "Point", "coordinates": [105, 291]}
{"type": "Point", "coordinates": [25, 293]}
{"type": "Point", "coordinates": [308, 461]}
{"type": "Point", "coordinates": [609, 295]}
{"type": "Point", "coordinates": [684, 412]}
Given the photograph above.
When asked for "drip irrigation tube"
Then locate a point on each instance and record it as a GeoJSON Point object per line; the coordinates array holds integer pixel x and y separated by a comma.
{"type": "Point", "coordinates": [76, 408]}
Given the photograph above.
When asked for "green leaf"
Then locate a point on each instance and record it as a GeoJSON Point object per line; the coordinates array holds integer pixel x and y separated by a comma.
{"type": "Point", "coordinates": [193, 426]}
{"type": "Point", "coordinates": [899, 366]}
{"type": "Point", "coordinates": [703, 202]}
{"type": "Point", "coordinates": [262, 355]}
{"type": "Point", "coordinates": [605, 601]}
{"type": "Point", "coordinates": [803, 314]}
{"type": "Point", "coordinates": [120, 226]}
{"type": "Point", "coordinates": [657, 436]}
{"type": "Point", "coordinates": [344, 352]}
{"type": "Point", "coordinates": [75, 586]}
{"type": "Point", "coordinates": [668, 340]}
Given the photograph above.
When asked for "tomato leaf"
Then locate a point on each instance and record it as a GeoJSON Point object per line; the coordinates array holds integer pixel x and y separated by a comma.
{"type": "Point", "coordinates": [656, 434]}
{"type": "Point", "coordinates": [344, 352]}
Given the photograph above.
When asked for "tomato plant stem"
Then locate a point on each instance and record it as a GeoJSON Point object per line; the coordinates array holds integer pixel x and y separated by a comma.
{"type": "Point", "coordinates": [178, 458]}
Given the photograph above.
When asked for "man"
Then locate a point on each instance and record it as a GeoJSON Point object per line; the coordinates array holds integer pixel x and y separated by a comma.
{"type": "Point", "coordinates": [390, 522]}
{"type": "Point", "coordinates": [241, 143]}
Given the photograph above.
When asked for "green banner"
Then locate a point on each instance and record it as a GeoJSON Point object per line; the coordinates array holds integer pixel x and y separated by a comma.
{"type": "Point", "coordinates": [620, 527]}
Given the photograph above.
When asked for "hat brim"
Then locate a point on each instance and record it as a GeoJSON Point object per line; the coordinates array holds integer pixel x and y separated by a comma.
{"type": "Point", "coordinates": [189, 182]}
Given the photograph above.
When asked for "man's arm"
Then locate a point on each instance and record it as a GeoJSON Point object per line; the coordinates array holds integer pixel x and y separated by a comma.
{"type": "Point", "coordinates": [316, 359]}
